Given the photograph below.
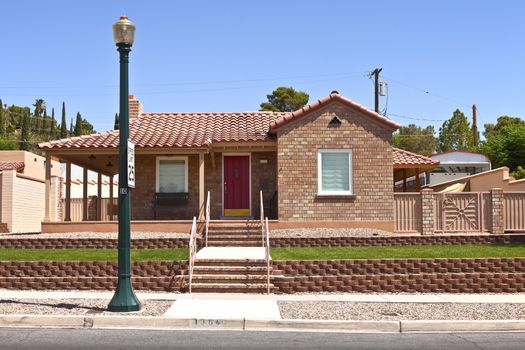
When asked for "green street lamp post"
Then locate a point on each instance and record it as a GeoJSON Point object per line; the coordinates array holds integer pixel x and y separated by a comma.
{"type": "Point", "coordinates": [124, 299]}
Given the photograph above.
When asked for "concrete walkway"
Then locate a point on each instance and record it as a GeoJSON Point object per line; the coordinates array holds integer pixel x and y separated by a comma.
{"type": "Point", "coordinates": [224, 309]}
{"type": "Point", "coordinates": [232, 253]}
{"type": "Point", "coordinates": [349, 297]}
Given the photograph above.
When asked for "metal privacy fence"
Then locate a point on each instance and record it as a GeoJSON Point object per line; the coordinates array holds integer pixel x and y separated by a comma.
{"type": "Point", "coordinates": [458, 212]}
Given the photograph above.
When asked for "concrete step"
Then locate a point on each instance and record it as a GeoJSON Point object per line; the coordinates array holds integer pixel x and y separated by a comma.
{"type": "Point", "coordinates": [230, 288]}
{"type": "Point", "coordinates": [234, 232]}
{"type": "Point", "coordinates": [230, 270]}
{"type": "Point", "coordinates": [223, 237]}
{"type": "Point", "coordinates": [232, 243]}
{"type": "Point", "coordinates": [229, 279]}
{"type": "Point", "coordinates": [230, 262]}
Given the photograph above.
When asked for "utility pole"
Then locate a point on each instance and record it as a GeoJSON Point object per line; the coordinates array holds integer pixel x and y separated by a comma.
{"type": "Point", "coordinates": [475, 125]}
{"type": "Point", "coordinates": [375, 73]}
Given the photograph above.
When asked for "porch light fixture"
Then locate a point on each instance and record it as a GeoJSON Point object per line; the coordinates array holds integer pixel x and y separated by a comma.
{"type": "Point", "coordinates": [124, 299]}
{"type": "Point", "coordinates": [109, 164]}
{"type": "Point", "coordinates": [91, 157]}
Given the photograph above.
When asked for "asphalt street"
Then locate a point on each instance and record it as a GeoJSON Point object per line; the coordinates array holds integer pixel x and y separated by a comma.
{"type": "Point", "coordinates": [57, 339]}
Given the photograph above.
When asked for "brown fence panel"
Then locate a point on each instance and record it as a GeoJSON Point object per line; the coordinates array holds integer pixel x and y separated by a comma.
{"type": "Point", "coordinates": [486, 211]}
{"type": "Point", "coordinates": [407, 212]}
{"type": "Point", "coordinates": [458, 212]}
{"type": "Point", "coordinates": [514, 211]}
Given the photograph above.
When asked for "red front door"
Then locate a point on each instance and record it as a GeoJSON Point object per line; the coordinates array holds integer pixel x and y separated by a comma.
{"type": "Point", "coordinates": [236, 186]}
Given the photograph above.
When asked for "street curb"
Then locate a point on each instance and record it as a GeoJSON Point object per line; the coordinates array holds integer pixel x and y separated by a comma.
{"type": "Point", "coordinates": [155, 322]}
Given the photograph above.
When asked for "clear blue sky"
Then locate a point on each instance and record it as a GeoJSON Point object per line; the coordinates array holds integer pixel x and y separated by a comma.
{"type": "Point", "coordinates": [227, 55]}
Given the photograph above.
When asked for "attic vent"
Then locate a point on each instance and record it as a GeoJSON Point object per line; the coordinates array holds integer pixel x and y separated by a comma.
{"type": "Point", "coordinates": [335, 122]}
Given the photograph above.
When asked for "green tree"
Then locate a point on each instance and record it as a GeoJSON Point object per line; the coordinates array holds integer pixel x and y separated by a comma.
{"type": "Point", "coordinates": [506, 147]}
{"type": "Point", "coordinates": [8, 143]}
{"type": "Point", "coordinates": [63, 125]}
{"type": "Point", "coordinates": [44, 122]}
{"type": "Point", "coordinates": [78, 125]}
{"type": "Point", "coordinates": [40, 106]}
{"type": "Point", "coordinates": [71, 128]}
{"type": "Point", "coordinates": [455, 133]}
{"type": "Point", "coordinates": [519, 173]}
{"type": "Point", "coordinates": [25, 131]}
{"type": "Point", "coordinates": [504, 120]}
{"type": "Point", "coordinates": [2, 119]}
{"type": "Point", "coordinates": [53, 122]}
{"type": "Point", "coordinates": [285, 99]}
{"type": "Point", "coordinates": [416, 139]}
{"type": "Point", "coordinates": [116, 123]}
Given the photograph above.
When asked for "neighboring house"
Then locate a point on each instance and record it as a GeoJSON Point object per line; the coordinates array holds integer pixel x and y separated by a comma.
{"type": "Point", "coordinates": [482, 182]}
{"type": "Point", "coordinates": [457, 164]}
{"type": "Point", "coordinates": [22, 191]}
{"type": "Point", "coordinates": [329, 163]}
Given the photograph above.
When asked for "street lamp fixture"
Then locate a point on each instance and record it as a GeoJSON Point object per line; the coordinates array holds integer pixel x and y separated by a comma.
{"type": "Point", "coordinates": [124, 299]}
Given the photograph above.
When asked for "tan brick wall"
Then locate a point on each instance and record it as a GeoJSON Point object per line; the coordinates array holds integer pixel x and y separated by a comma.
{"type": "Point", "coordinates": [145, 182]}
{"type": "Point", "coordinates": [298, 143]}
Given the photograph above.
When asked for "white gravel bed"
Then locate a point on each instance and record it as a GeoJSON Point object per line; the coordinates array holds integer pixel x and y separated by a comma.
{"type": "Point", "coordinates": [76, 307]}
{"type": "Point", "coordinates": [103, 235]}
{"type": "Point", "coordinates": [340, 310]}
{"type": "Point", "coordinates": [329, 232]}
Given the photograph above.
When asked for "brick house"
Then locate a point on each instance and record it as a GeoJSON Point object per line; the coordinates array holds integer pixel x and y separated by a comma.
{"type": "Point", "coordinates": [331, 163]}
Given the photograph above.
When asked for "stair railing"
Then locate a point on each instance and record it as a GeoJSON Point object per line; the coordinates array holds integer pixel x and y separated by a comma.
{"type": "Point", "coordinates": [207, 213]}
{"type": "Point", "coordinates": [267, 255]}
{"type": "Point", "coordinates": [261, 214]}
{"type": "Point", "coordinates": [192, 251]}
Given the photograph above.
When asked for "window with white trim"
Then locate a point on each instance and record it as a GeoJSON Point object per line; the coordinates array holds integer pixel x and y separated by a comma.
{"type": "Point", "coordinates": [334, 172]}
{"type": "Point", "coordinates": [172, 174]}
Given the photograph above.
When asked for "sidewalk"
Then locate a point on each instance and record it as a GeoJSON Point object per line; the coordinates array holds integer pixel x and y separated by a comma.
{"type": "Point", "coordinates": [312, 312]}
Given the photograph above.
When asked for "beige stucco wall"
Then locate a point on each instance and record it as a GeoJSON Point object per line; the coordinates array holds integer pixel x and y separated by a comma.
{"type": "Point", "coordinates": [23, 201]}
{"type": "Point", "coordinates": [497, 178]}
{"type": "Point", "coordinates": [34, 165]}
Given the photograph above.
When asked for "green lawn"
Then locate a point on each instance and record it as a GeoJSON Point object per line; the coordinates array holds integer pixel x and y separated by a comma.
{"type": "Point", "coordinates": [402, 252]}
{"type": "Point", "coordinates": [91, 254]}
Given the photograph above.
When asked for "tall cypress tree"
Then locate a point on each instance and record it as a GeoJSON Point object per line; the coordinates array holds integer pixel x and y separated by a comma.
{"type": "Point", "coordinates": [71, 127]}
{"type": "Point", "coordinates": [116, 124]}
{"type": "Point", "coordinates": [44, 122]}
{"type": "Point", "coordinates": [24, 135]}
{"type": "Point", "coordinates": [2, 120]}
{"type": "Point", "coordinates": [78, 125]}
{"type": "Point", "coordinates": [63, 125]}
{"type": "Point", "coordinates": [52, 127]}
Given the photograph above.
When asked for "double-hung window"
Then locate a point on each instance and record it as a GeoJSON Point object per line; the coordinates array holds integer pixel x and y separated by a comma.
{"type": "Point", "coordinates": [172, 174]}
{"type": "Point", "coordinates": [334, 172]}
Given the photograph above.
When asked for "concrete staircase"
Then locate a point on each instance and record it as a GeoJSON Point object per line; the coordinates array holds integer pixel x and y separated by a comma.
{"type": "Point", "coordinates": [233, 262]}
{"type": "Point", "coordinates": [230, 276]}
{"type": "Point", "coordinates": [243, 234]}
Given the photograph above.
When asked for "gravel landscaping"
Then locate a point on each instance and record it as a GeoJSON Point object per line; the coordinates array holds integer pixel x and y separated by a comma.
{"type": "Point", "coordinates": [76, 307]}
{"type": "Point", "coordinates": [329, 232]}
{"type": "Point", "coordinates": [101, 235]}
{"type": "Point", "coordinates": [339, 310]}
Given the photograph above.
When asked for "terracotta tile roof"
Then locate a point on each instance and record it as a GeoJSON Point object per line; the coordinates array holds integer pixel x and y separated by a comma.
{"type": "Point", "coordinates": [334, 96]}
{"type": "Point", "coordinates": [11, 165]}
{"type": "Point", "coordinates": [180, 130]}
{"type": "Point", "coordinates": [404, 158]}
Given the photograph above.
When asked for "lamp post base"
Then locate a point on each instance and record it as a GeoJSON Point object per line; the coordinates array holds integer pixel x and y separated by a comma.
{"type": "Point", "coordinates": [124, 299]}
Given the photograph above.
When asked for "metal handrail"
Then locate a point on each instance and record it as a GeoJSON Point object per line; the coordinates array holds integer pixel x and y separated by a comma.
{"type": "Point", "coordinates": [262, 216]}
{"type": "Point", "coordinates": [267, 255]}
{"type": "Point", "coordinates": [207, 213]}
{"type": "Point", "coordinates": [192, 250]}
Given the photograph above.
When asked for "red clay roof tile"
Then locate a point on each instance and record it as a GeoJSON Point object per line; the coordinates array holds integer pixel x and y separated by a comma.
{"type": "Point", "coordinates": [11, 165]}
{"type": "Point", "coordinates": [403, 158]}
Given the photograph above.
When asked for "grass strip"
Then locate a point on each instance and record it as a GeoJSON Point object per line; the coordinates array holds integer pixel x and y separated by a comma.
{"type": "Point", "coordinates": [401, 252]}
{"type": "Point", "coordinates": [15, 254]}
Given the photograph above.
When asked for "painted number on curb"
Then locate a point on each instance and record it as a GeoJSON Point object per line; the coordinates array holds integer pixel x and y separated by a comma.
{"type": "Point", "coordinates": [207, 323]}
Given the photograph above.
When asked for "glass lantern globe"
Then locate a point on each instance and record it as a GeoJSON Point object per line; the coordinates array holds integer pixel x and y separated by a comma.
{"type": "Point", "coordinates": [124, 31]}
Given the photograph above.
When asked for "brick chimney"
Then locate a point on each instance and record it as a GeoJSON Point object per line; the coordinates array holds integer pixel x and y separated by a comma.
{"type": "Point", "coordinates": [135, 107]}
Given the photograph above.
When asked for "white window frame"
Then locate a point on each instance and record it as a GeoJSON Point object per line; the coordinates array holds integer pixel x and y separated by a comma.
{"type": "Point", "coordinates": [320, 192]}
{"type": "Point", "coordinates": [157, 172]}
